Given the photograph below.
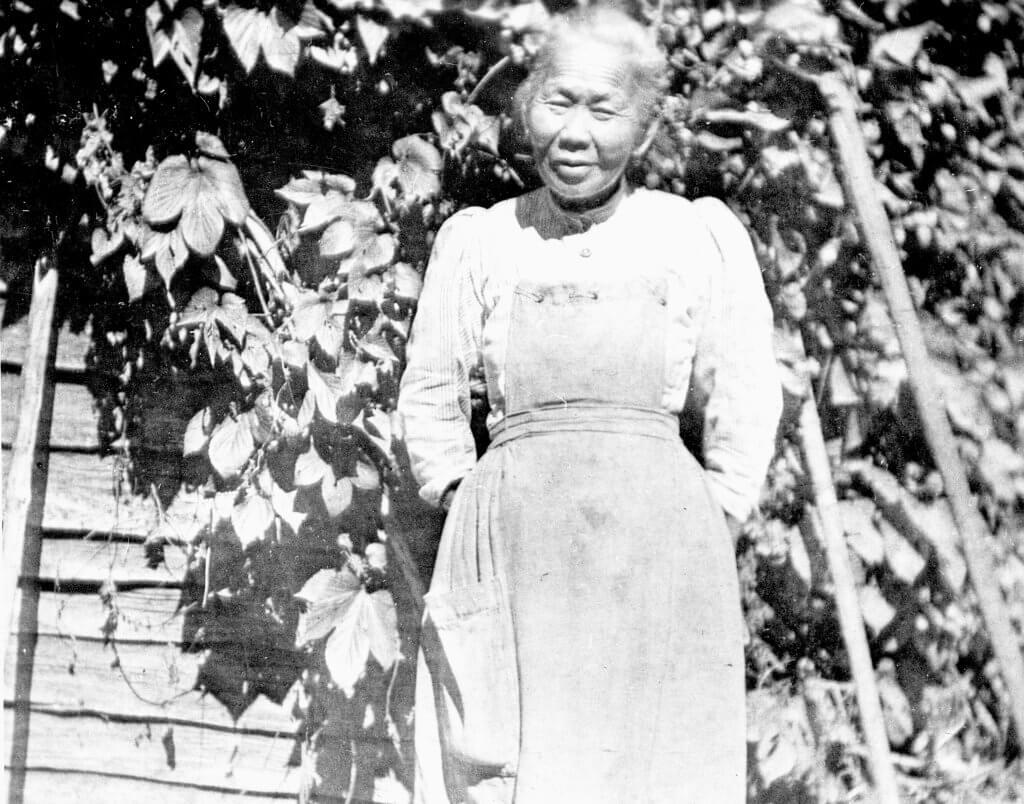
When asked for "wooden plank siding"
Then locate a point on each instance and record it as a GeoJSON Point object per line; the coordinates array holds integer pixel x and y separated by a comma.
{"type": "Point", "coordinates": [124, 722]}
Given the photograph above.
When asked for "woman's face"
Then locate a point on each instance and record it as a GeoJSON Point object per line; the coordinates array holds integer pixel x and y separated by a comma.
{"type": "Point", "coordinates": [584, 124]}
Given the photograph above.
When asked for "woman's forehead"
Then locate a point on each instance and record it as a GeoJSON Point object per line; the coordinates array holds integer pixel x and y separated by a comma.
{"type": "Point", "coordinates": [592, 68]}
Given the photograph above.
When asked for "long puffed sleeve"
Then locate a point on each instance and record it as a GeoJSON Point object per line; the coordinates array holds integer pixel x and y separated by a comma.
{"type": "Point", "coordinates": [734, 369]}
{"type": "Point", "coordinates": [444, 347]}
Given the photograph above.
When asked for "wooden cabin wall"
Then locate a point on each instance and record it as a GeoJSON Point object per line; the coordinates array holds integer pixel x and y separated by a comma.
{"type": "Point", "coordinates": [122, 721]}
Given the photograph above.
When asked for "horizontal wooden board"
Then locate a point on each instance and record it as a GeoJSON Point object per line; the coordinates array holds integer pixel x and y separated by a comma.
{"type": "Point", "coordinates": [74, 420]}
{"type": "Point", "coordinates": [146, 615]}
{"type": "Point", "coordinates": [155, 752]}
{"type": "Point", "coordinates": [73, 560]}
{"type": "Point", "coordinates": [73, 675]}
{"type": "Point", "coordinates": [80, 497]}
{"type": "Point", "coordinates": [72, 787]}
{"type": "Point", "coordinates": [72, 347]}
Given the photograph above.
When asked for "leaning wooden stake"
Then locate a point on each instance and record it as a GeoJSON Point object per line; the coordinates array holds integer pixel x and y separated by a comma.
{"type": "Point", "coordinates": [876, 233]}
{"type": "Point", "coordinates": [24, 490]}
{"type": "Point", "coordinates": [850, 621]}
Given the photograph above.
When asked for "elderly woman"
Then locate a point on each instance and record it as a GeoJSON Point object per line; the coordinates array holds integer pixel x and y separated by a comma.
{"type": "Point", "coordinates": [582, 640]}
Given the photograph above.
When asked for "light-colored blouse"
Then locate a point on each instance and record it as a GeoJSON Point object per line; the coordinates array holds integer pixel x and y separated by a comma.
{"type": "Point", "coordinates": [719, 360]}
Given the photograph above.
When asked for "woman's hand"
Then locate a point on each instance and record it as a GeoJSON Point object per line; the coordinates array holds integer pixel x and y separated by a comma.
{"type": "Point", "coordinates": [448, 496]}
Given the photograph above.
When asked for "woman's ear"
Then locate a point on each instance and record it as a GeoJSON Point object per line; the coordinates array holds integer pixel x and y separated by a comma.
{"type": "Point", "coordinates": [647, 139]}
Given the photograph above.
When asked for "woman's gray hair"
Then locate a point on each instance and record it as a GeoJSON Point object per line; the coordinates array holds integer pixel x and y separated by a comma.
{"type": "Point", "coordinates": [611, 27]}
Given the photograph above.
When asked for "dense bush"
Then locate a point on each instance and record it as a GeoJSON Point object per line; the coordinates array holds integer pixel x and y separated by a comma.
{"type": "Point", "coordinates": [244, 194]}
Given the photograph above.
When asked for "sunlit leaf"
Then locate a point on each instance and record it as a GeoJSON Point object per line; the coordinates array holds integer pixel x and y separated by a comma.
{"type": "Point", "coordinates": [406, 282]}
{"type": "Point", "coordinates": [307, 319]}
{"type": "Point", "coordinates": [338, 239]}
{"type": "Point", "coordinates": [281, 46]}
{"type": "Point", "coordinates": [336, 493]}
{"type": "Point", "coordinates": [136, 277]}
{"type": "Point", "coordinates": [321, 211]}
{"type": "Point", "coordinates": [104, 246]}
{"type": "Point", "coordinates": [373, 35]}
{"type": "Point", "coordinates": [231, 446]}
{"type": "Point", "coordinates": [159, 41]}
{"type": "Point", "coordinates": [197, 432]}
{"type": "Point", "coordinates": [210, 145]}
{"type": "Point", "coordinates": [327, 389]}
{"type": "Point", "coordinates": [252, 518]}
{"type": "Point", "coordinates": [245, 29]}
{"type": "Point", "coordinates": [229, 194]}
{"type": "Point", "coordinates": [166, 194]}
{"type": "Point", "coordinates": [186, 38]}
{"type": "Point", "coordinates": [328, 596]}
{"type": "Point", "coordinates": [301, 192]}
{"type": "Point", "coordinates": [284, 506]}
{"type": "Point", "coordinates": [366, 478]}
{"type": "Point", "coordinates": [900, 46]}
{"type": "Point", "coordinates": [201, 222]}
{"type": "Point", "coordinates": [419, 167]}
{"type": "Point", "coordinates": [310, 468]}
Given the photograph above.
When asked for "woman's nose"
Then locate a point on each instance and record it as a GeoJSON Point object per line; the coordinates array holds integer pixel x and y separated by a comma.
{"type": "Point", "coordinates": [575, 131]}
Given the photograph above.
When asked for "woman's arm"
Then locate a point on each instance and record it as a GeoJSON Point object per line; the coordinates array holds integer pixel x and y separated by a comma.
{"type": "Point", "coordinates": [444, 346]}
{"type": "Point", "coordinates": [735, 369]}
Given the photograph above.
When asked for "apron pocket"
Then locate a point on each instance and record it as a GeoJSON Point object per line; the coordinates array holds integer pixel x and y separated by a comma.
{"type": "Point", "coordinates": [468, 644]}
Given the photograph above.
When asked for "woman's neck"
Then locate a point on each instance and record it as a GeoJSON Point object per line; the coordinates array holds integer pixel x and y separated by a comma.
{"type": "Point", "coordinates": [595, 209]}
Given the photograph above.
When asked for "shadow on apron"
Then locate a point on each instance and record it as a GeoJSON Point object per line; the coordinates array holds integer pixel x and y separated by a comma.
{"type": "Point", "coordinates": [468, 644]}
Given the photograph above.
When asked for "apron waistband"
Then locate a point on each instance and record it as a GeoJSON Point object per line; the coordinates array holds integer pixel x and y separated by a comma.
{"type": "Point", "coordinates": [588, 418]}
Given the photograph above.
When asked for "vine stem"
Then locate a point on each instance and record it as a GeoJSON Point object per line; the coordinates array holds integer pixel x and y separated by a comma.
{"type": "Point", "coordinates": [496, 68]}
{"type": "Point", "coordinates": [256, 282]}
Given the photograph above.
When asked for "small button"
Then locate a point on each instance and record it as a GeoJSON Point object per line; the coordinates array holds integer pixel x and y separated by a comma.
{"type": "Point", "coordinates": [585, 252]}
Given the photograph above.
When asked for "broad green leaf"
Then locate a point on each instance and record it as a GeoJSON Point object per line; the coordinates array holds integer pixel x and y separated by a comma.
{"type": "Point", "coordinates": [328, 595]}
{"type": "Point", "coordinates": [281, 45]}
{"type": "Point", "coordinates": [407, 283]}
{"type": "Point", "coordinates": [383, 628]}
{"type": "Point", "coordinates": [332, 112]}
{"type": "Point", "coordinates": [186, 38]}
{"type": "Point", "coordinates": [373, 36]}
{"type": "Point", "coordinates": [338, 239]}
{"type": "Point", "coordinates": [366, 478]}
{"type": "Point", "coordinates": [197, 432]}
{"type": "Point", "coordinates": [201, 222]}
{"type": "Point", "coordinates": [327, 390]}
{"type": "Point", "coordinates": [368, 290]}
{"type": "Point", "coordinates": [284, 506]}
{"type": "Point", "coordinates": [167, 191]}
{"type": "Point", "coordinates": [336, 493]}
{"type": "Point", "coordinates": [229, 194]}
{"type": "Point", "coordinates": [321, 211]}
{"type": "Point", "coordinates": [419, 167]}
{"type": "Point", "coordinates": [232, 317]}
{"type": "Point", "coordinates": [368, 625]}
{"type": "Point", "coordinates": [203, 302]}
{"type": "Point", "coordinates": [159, 41]}
{"type": "Point", "coordinates": [310, 468]}
{"type": "Point", "coordinates": [136, 277]}
{"type": "Point", "coordinates": [377, 555]}
{"type": "Point", "coordinates": [210, 145]}
{"type": "Point", "coordinates": [231, 446]}
{"type": "Point", "coordinates": [104, 246]}
{"type": "Point", "coordinates": [301, 192]}
{"type": "Point", "coordinates": [307, 319]}
{"type": "Point", "coordinates": [252, 518]}
{"type": "Point", "coordinates": [245, 29]}
{"type": "Point", "coordinates": [330, 338]}
{"type": "Point", "coordinates": [900, 46]}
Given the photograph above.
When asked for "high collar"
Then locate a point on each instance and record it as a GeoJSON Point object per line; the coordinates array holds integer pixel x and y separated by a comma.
{"type": "Point", "coordinates": [571, 221]}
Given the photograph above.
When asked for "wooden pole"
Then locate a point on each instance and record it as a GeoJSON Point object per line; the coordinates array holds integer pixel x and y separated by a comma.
{"type": "Point", "coordinates": [24, 494]}
{"type": "Point", "coordinates": [850, 621]}
{"type": "Point", "coordinates": [876, 233]}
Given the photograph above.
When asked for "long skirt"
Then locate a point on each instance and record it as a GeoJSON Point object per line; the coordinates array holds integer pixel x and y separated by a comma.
{"type": "Point", "coordinates": [582, 641]}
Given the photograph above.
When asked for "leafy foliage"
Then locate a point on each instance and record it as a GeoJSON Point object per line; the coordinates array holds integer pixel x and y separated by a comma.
{"type": "Point", "coordinates": [358, 128]}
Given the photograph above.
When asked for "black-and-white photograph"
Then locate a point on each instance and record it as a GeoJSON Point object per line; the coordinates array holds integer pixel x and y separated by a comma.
{"type": "Point", "coordinates": [512, 401]}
